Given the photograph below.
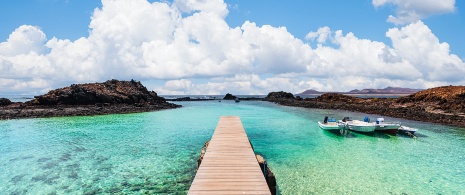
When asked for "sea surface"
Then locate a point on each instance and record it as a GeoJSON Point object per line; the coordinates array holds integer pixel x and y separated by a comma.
{"type": "Point", "coordinates": [156, 152]}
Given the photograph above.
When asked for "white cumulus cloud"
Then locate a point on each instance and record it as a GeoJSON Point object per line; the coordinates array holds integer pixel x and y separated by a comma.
{"type": "Point", "coordinates": [190, 47]}
{"type": "Point", "coordinates": [322, 34]}
{"type": "Point", "coordinates": [413, 10]}
{"type": "Point", "coordinates": [24, 40]}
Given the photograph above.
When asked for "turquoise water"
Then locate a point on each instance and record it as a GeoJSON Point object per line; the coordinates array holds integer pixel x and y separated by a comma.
{"type": "Point", "coordinates": [157, 152]}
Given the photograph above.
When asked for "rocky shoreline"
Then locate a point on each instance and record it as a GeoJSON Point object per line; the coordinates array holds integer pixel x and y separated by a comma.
{"type": "Point", "coordinates": [110, 97]}
{"type": "Point", "coordinates": [442, 105]}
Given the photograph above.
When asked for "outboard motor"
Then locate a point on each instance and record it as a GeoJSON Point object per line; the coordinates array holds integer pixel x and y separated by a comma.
{"type": "Point", "coordinates": [366, 119]}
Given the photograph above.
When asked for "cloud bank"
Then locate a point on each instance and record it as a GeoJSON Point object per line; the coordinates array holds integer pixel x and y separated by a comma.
{"type": "Point", "coordinates": [190, 48]}
{"type": "Point", "coordinates": [413, 10]}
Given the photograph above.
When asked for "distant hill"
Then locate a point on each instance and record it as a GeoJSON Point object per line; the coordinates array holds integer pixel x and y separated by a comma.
{"type": "Point", "coordinates": [387, 90]}
{"type": "Point", "coordinates": [310, 92]}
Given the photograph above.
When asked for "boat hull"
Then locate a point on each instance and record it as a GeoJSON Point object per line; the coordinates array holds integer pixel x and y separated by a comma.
{"type": "Point", "coordinates": [387, 128]}
{"type": "Point", "coordinates": [364, 129]}
{"type": "Point", "coordinates": [330, 127]}
{"type": "Point", "coordinates": [359, 126]}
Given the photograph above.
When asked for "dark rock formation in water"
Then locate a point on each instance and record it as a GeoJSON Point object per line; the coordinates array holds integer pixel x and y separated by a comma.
{"type": "Point", "coordinates": [335, 97]}
{"type": "Point", "coordinates": [278, 96]}
{"type": "Point", "coordinates": [229, 96]}
{"type": "Point", "coordinates": [5, 102]}
{"type": "Point", "coordinates": [443, 105]}
{"type": "Point", "coordinates": [112, 92]}
{"type": "Point", "coordinates": [109, 97]}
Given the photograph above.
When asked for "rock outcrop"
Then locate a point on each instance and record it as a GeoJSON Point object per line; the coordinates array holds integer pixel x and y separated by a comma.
{"type": "Point", "coordinates": [437, 94]}
{"type": "Point", "coordinates": [5, 102]}
{"type": "Point", "coordinates": [110, 97]}
{"type": "Point", "coordinates": [273, 96]}
{"type": "Point", "coordinates": [450, 99]}
{"type": "Point", "coordinates": [336, 97]}
{"type": "Point", "coordinates": [229, 96]}
{"type": "Point", "coordinates": [112, 92]}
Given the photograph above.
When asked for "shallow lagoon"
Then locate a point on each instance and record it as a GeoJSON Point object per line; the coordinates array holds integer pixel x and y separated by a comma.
{"type": "Point", "coordinates": [157, 152]}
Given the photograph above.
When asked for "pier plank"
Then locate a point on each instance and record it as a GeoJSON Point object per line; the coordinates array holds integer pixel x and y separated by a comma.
{"type": "Point", "coordinates": [229, 165]}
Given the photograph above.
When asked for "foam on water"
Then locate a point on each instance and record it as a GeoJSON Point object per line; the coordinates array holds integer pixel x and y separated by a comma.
{"type": "Point", "coordinates": [157, 152]}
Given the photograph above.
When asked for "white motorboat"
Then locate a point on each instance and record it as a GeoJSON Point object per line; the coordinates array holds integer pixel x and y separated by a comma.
{"type": "Point", "coordinates": [330, 124]}
{"type": "Point", "coordinates": [386, 127]}
{"type": "Point", "coordinates": [360, 126]}
{"type": "Point", "coordinates": [405, 129]}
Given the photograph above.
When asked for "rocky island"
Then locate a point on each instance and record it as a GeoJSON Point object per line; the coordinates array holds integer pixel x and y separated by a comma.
{"type": "Point", "coordinates": [443, 105]}
{"type": "Point", "coordinates": [110, 97]}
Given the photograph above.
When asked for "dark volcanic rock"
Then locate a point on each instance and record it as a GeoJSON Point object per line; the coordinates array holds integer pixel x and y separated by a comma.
{"type": "Point", "coordinates": [437, 94]}
{"type": "Point", "coordinates": [447, 98]}
{"type": "Point", "coordinates": [183, 99]}
{"type": "Point", "coordinates": [110, 97]}
{"type": "Point", "coordinates": [229, 96]}
{"type": "Point", "coordinates": [5, 102]}
{"type": "Point", "coordinates": [336, 97]}
{"type": "Point", "coordinates": [112, 91]}
{"type": "Point", "coordinates": [277, 96]}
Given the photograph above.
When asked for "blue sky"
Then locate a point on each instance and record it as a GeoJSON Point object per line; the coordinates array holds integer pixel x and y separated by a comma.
{"type": "Point", "coordinates": [69, 19]}
{"type": "Point", "coordinates": [357, 16]}
{"type": "Point", "coordinates": [60, 28]}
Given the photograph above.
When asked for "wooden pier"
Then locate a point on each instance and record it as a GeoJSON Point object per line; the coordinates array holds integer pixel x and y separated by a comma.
{"type": "Point", "coordinates": [229, 165]}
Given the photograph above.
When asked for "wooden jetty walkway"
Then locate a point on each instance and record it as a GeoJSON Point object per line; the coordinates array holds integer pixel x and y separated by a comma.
{"type": "Point", "coordinates": [229, 165]}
